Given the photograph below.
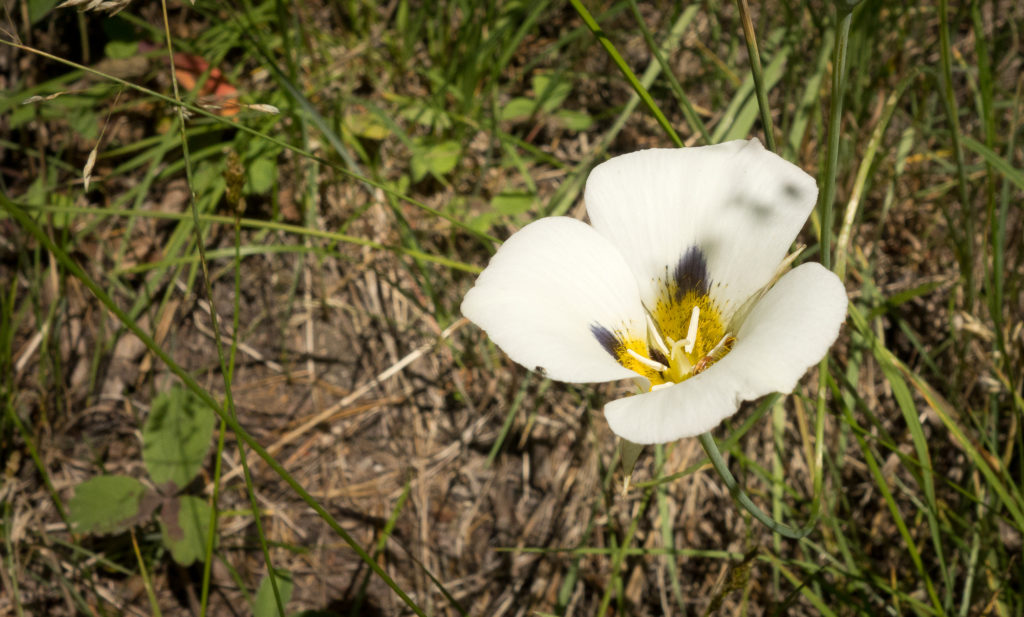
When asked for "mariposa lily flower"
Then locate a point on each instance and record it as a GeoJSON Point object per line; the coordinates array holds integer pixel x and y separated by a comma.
{"type": "Point", "coordinates": [675, 283]}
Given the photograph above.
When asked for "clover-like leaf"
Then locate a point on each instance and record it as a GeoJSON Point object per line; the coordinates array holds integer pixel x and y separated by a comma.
{"type": "Point", "coordinates": [176, 437]}
{"type": "Point", "coordinates": [435, 159]}
{"type": "Point", "coordinates": [186, 536]}
{"type": "Point", "coordinates": [264, 604]}
{"type": "Point", "coordinates": [106, 504]}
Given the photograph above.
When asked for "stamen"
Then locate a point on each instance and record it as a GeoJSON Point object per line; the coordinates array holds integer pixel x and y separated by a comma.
{"type": "Point", "coordinates": [691, 333]}
{"type": "Point", "coordinates": [654, 334]}
{"type": "Point", "coordinates": [651, 364]}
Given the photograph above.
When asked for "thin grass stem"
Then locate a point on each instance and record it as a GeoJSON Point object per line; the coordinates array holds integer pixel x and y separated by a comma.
{"type": "Point", "coordinates": [33, 228]}
{"type": "Point", "coordinates": [627, 72]}
{"type": "Point", "coordinates": [757, 73]}
{"type": "Point", "coordinates": [835, 118]}
{"type": "Point", "coordinates": [147, 581]}
{"type": "Point", "coordinates": [966, 238]}
{"type": "Point", "coordinates": [696, 125]}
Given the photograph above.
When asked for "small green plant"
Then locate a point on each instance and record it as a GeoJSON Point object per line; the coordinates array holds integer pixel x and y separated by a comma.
{"type": "Point", "coordinates": [175, 439]}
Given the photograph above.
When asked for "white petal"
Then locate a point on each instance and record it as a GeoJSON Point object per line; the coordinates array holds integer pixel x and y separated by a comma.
{"type": "Point", "coordinates": [685, 409]}
{"type": "Point", "coordinates": [788, 331]}
{"type": "Point", "coordinates": [740, 204]}
{"type": "Point", "coordinates": [544, 289]}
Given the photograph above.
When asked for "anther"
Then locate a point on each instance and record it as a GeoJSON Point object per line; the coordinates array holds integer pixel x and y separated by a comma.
{"type": "Point", "coordinates": [655, 335]}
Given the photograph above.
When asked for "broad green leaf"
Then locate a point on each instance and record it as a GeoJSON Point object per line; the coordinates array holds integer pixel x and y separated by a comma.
{"type": "Point", "coordinates": [84, 122]}
{"type": "Point", "coordinates": [261, 174]}
{"type": "Point", "coordinates": [176, 437]}
{"type": "Point", "coordinates": [38, 9]}
{"type": "Point", "coordinates": [208, 179]}
{"type": "Point", "coordinates": [435, 159]}
{"type": "Point", "coordinates": [367, 125]}
{"type": "Point", "coordinates": [574, 120]}
{"type": "Point", "coordinates": [187, 538]}
{"type": "Point", "coordinates": [106, 504]}
{"type": "Point", "coordinates": [427, 116]}
{"type": "Point", "coordinates": [264, 604]}
{"type": "Point", "coordinates": [518, 108]}
{"type": "Point", "coordinates": [512, 203]}
{"type": "Point", "coordinates": [550, 93]}
{"type": "Point", "coordinates": [121, 49]}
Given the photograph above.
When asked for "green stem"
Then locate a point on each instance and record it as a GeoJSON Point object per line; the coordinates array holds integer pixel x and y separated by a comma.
{"type": "Point", "coordinates": [966, 239]}
{"type": "Point", "coordinates": [29, 225]}
{"type": "Point", "coordinates": [835, 117]}
{"type": "Point", "coordinates": [626, 71]}
{"type": "Point", "coordinates": [711, 448]}
{"type": "Point", "coordinates": [757, 73]}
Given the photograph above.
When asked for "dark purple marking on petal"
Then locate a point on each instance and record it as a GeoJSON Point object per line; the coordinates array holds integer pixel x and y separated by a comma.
{"type": "Point", "coordinates": [607, 338]}
{"type": "Point", "coordinates": [691, 273]}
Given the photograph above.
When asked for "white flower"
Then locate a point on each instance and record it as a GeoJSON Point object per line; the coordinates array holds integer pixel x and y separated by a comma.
{"type": "Point", "coordinates": [672, 283]}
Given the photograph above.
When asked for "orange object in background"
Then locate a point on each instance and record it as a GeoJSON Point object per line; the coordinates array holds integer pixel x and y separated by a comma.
{"type": "Point", "coordinates": [216, 93]}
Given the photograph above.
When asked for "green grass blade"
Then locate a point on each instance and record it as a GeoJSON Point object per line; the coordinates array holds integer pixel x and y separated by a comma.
{"type": "Point", "coordinates": [627, 72]}
{"type": "Point", "coordinates": [75, 270]}
{"type": "Point", "coordinates": [760, 88]}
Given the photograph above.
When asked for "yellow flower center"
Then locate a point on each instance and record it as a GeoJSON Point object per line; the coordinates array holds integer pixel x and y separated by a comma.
{"type": "Point", "coordinates": [685, 329]}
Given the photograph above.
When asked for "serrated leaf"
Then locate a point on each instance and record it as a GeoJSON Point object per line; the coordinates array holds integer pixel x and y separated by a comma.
{"type": "Point", "coordinates": [264, 604]}
{"type": "Point", "coordinates": [187, 541]}
{"type": "Point", "coordinates": [106, 504]}
{"type": "Point", "coordinates": [176, 437]}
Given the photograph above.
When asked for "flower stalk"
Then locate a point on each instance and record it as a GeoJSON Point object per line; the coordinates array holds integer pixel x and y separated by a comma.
{"type": "Point", "coordinates": [707, 441]}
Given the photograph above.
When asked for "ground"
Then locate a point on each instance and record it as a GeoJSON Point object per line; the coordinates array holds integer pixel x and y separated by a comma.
{"type": "Point", "coordinates": [411, 139]}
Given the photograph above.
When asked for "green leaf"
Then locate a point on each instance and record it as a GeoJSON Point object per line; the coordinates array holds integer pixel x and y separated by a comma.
{"type": "Point", "coordinates": [367, 125]}
{"type": "Point", "coordinates": [38, 9]}
{"type": "Point", "coordinates": [121, 49]}
{"type": "Point", "coordinates": [425, 115]}
{"type": "Point", "coordinates": [518, 108]}
{"type": "Point", "coordinates": [176, 437]}
{"type": "Point", "coordinates": [261, 174]}
{"type": "Point", "coordinates": [574, 120]}
{"type": "Point", "coordinates": [186, 540]}
{"type": "Point", "coordinates": [512, 202]}
{"type": "Point", "coordinates": [84, 122]}
{"type": "Point", "coordinates": [437, 159]}
{"type": "Point", "coordinates": [1002, 165]}
{"type": "Point", "coordinates": [106, 504]}
{"type": "Point", "coordinates": [264, 605]}
{"type": "Point", "coordinates": [550, 93]}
